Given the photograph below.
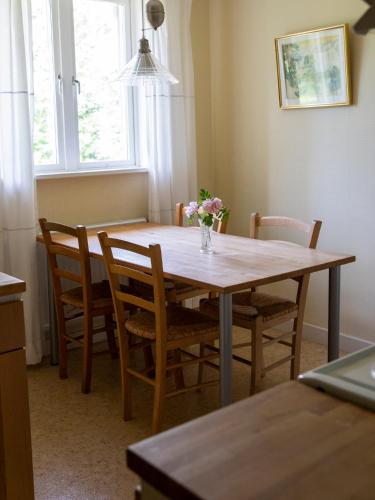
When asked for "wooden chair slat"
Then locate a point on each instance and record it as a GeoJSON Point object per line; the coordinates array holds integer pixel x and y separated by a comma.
{"type": "Point", "coordinates": [128, 246]}
{"type": "Point", "coordinates": [275, 221]}
{"type": "Point", "coordinates": [127, 272]}
{"type": "Point", "coordinates": [60, 228]}
{"type": "Point", "coordinates": [62, 273]}
{"type": "Point", "coordinates": [136, 301]}
{"type": "Point", "coordinates": [66, 252]}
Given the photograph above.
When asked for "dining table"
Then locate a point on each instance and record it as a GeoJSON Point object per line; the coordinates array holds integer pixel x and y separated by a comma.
{"type": "Point", "coordinates": [237, 264]}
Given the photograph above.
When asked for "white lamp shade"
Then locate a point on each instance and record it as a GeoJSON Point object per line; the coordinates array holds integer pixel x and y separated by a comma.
{"type": "Point", "coordinates": [145, 69]}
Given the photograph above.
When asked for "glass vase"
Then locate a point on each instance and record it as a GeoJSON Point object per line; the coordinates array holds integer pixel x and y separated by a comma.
{"type": "Point", "coordinates": [206, 242]}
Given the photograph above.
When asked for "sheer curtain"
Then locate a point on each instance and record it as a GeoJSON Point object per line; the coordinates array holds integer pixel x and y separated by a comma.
{"type": "Point", "coordinates": [168, 124]}
{"type": "Point", "coordinates": [17, 201]}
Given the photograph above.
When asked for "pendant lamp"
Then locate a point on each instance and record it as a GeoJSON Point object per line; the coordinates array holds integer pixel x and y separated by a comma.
{"type": "Point", "coordinates": [144, 68]}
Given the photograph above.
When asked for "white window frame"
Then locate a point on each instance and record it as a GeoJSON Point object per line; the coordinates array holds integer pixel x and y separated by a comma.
{"type": "Point", "coordinates": [66, 97]}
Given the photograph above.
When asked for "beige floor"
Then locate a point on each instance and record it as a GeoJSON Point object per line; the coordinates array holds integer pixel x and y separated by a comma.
{"type": "Point", "coordinates": [79, 441]}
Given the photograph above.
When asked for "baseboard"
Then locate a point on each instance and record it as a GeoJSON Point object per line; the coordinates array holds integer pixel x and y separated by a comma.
{"type": "Point", "coordinates": [319, 335]}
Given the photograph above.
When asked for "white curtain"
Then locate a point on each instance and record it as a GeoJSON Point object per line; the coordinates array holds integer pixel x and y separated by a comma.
{"type": "Point", "coordinates": [169, 118]}
{"type": "Point", "coordinates": [17, 198]}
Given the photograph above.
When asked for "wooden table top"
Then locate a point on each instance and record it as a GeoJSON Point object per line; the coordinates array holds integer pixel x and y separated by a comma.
{"type": "Point", "coordinates": [10, 285]}
{"type": "Point", "coordinates": [290, 442]}
{"type": "Point", "coordinates": [238, 263]}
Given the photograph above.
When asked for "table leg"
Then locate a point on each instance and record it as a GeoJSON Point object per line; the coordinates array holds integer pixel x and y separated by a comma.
{"type": "Point", "coordinates": [334, 314]}
{"type": "Point", "coordinates": [225, 349]}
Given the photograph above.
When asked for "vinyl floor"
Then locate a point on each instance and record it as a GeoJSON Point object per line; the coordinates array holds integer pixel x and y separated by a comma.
{"type": "Point", "coordinates": [79, 441]}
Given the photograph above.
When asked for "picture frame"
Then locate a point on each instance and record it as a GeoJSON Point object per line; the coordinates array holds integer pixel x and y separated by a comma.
{"type": "Point", "coordinates": [313, 68]}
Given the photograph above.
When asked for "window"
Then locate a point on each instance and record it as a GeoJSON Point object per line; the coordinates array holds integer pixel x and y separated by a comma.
{"type": "Point", "coordinates": [83, 118]}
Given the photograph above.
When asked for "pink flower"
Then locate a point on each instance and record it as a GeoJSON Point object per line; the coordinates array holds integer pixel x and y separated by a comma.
{"type": "Point", "coordinates": [217, 204]}
{"type": "Point", "coordinates": [212, 206]}
{"type": "Point", "coordinates": [191, 209]}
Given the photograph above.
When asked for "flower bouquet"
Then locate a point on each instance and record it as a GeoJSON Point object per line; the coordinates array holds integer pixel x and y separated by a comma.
{"type": "Point", "coordinates": [207, 209]}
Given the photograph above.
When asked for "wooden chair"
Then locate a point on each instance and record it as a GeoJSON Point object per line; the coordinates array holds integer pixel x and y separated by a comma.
{"type": "Point", "coordinates": [169, 329]}
{"type": "Point", "coordinates": [87, 300]}
{"type": "Point", "coordinates": [259, 312]}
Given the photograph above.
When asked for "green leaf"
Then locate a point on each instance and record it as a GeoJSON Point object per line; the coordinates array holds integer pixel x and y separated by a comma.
{"type": "Point", "coordinates": [203, 195]}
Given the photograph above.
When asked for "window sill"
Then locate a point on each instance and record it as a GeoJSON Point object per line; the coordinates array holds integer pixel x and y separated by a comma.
{"type": "Point", "coordinates": [89, 173]}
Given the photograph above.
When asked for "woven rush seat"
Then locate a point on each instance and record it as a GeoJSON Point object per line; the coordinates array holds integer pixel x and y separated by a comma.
{"type": "Point", "coordinates": [182, 323]}
{"type": "Point", "coordinates": [101, 296]}
{"type": "Point", "coordinates": [249, 305]}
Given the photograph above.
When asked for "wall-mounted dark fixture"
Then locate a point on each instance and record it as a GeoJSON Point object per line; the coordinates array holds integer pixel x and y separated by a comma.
{"type": "Point", "coordinates": [155, 13]}
{"type": "Point", "coordinates": [367, 21]}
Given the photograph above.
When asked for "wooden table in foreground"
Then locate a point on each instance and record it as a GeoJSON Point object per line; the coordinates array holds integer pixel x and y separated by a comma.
{"type": "Point", "coordinates": [237, 264]}
{"type": "Point", "coordinates": [290, 442]}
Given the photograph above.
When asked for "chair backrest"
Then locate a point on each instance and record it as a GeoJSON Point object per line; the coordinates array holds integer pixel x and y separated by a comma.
{"type": "Point", "coordinates": [117, 268]}
{"type": "Point", "coordinates": [220, 226]}
{"type": "Point", "coordinates": [312, 230]}
{"type": "Point", "coordinates": [81, 255]}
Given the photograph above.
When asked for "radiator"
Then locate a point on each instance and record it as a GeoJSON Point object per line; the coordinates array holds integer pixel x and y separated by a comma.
{"type": "Point", "coordinates": [117, 223]}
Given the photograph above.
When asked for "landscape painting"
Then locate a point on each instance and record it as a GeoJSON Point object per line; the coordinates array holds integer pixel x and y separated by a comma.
{"type": "Point", "coordinates": [314, 68]}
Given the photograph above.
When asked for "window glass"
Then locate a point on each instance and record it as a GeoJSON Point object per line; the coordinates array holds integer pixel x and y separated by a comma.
{"type": "Point", "coordinates": [102, 103]}
{"type": "Point", "coordinates": [45, 151]}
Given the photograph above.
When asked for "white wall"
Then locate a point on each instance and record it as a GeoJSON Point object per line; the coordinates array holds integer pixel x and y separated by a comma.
{"type": "Point", "coordinates": [315, 163]}
{"type": "Point", "coordinates": [200, 37]}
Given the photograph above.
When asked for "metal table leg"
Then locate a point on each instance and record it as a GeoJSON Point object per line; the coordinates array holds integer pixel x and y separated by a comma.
{"type": "Point", "coordinates": [225, 349]}
{"type": "Point", "coordinates": [334, 314]}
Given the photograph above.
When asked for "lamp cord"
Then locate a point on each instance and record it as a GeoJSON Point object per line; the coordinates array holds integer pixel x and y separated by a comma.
{"type": "Point", "coordinates": [143, 19]}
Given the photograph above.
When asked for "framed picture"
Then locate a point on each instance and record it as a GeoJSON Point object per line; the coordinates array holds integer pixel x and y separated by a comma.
{"type": "Point", "coordinates": [314, 68]}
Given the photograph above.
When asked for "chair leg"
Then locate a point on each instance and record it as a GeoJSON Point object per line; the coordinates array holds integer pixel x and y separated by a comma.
{"type": "Point", "coordinates": [131, 341]}
{"type": "Point", "coordinates": [202, 352]}
{"type": "Point", "coordinates": [111, 336]}
{"type": "Point", "coordinates": [159, 394]}
{"type": "Point", "coordinates": [63, 351]}
{"type": "Point", "coordinates": [256, 358]}
{"type": "Point", "coordinates": [178, 373]}
{"type": "Point", "coordinates": [263, 373]}
{"type": "Point", "coordinates": [148, 356]}
{"type": "Point", "coordinates": [87, 354]}
{"type": "Point", "coordinates": [296, 349]}
{"type": "Point", "coordinates": [125, 377]}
